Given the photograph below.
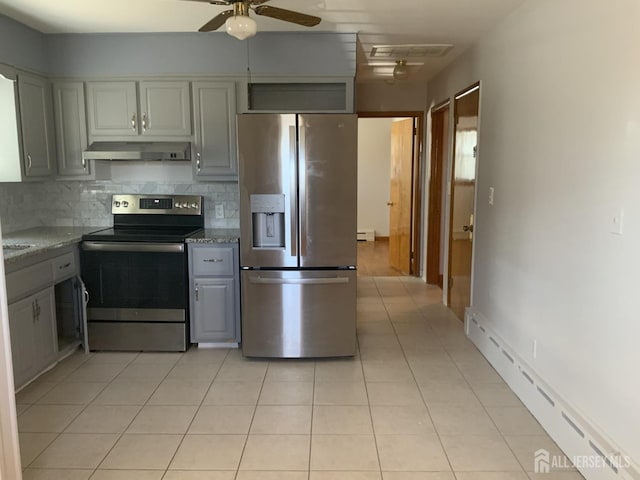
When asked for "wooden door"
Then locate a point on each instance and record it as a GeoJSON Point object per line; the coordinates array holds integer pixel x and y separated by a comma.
{"type": "Point", "coordinates": [463, 184]}
{"type": "Point", "coordinates": [400, 203]}
{"type": "Point", "coordinates": [439, 156]}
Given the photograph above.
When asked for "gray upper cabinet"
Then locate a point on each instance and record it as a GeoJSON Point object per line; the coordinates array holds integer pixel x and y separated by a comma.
{"type": "Point", "coordinates": [71, 128]}
{"type": "Point", "coordinates": [161, 110]}
{"type": "Point", "coordinates": [165, 108]}
{"type": "Point", "coordinates": [112, 109]}
{"type": "Point", "coordinates": [36, 124]}
{"type": "Point", "coordinates": [214, 111]}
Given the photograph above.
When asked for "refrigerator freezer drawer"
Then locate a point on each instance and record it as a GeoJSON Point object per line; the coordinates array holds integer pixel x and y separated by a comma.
{"type": "Point", "coordinates": [298, 314]}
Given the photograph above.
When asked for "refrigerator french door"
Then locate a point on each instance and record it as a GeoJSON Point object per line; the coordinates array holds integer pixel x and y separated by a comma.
{"type": "Point", "coordinates": [298, 209]}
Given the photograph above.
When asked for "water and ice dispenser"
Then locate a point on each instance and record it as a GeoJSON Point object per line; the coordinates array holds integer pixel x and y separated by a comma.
{"type": "Point", "coordinates": [267, 215]}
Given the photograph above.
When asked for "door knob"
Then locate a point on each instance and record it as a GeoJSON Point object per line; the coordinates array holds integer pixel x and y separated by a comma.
{"type": "Point", "coordinates": [389, 204]}
{"type": "Point", "coordinates": [468, 228]}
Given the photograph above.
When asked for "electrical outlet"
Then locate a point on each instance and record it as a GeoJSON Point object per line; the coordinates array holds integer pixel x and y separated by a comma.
{"type": "Point", "coordinates": [491, 192]}
{"type": "Point", "coordinates": [616, 221]}
{"type": "Point", "coordinates": [220, 211]}
{"type": "Point", "coordinates": [535, 349]}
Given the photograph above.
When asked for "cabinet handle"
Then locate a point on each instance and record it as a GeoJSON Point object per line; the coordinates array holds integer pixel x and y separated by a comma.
{"type": "Point", "coordinates": [144, 122]}
{"type": "Point", "coordinates": [198, 161]}
{"type": "Point", "coordinates": [29, 162]}
{"type": "Point", "coordinates": [66, 265]}
{"type": "Point", "coordinates": [33, 311]}
{"type": "Point", "coordinates": [196, 294]}
{"type": "Point", "coordinates": [133, 122]}
{"type": "Point", "coordinates": [38, 310]}
{"type": "Point", "coordinates": [213, 260]}
{"type": "Point", "coordinates": [84, 163]}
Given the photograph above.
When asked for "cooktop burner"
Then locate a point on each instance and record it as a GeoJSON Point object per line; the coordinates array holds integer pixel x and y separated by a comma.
{"type": "Point", "coordinates": [152, 218]}
{"type": "Point", "coordinates": [124, 234]}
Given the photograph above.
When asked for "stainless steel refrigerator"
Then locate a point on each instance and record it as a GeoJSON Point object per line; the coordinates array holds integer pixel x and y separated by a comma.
{"type": "Point", "coordinates": [298, 209]}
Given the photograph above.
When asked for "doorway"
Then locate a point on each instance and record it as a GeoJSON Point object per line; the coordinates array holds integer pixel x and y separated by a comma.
{"type": "Point", "coordinates": [389, 193]}
{"type": "Point", "coordinates": [462, 205]}
{"type": "Point", "coordinates": [437, 194]}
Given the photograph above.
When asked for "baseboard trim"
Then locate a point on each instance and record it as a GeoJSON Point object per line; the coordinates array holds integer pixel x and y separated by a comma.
{"type": "Point", "coordinates": [382, 239]}
{"type": "Point", "coordinates": [575, 435]}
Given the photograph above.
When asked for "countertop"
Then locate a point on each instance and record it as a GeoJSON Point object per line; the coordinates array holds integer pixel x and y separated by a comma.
{"type": "Point", "coordinates": [42, 239]}
{"type": "Point", "coordinates": [216, 235]}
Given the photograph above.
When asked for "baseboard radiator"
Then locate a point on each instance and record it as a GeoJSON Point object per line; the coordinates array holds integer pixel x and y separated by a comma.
{"type": "Point", "coordinates": [366, 235]}
{"type": "Point", "coordinates": [578, 438]}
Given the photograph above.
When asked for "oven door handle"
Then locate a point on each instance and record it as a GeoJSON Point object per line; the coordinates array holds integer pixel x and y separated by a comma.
{"type": "Point", "coordinates": [133, 247]}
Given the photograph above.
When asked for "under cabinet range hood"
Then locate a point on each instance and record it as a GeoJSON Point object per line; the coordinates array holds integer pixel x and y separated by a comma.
{"type": "Point", "coordinates": [152, 151]}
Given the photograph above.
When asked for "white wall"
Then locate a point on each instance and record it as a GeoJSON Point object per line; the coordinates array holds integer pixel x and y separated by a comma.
{"type": "Point", "coordinates": [374, 174]}
{"type": "Point", "coordinates": [560, 142]}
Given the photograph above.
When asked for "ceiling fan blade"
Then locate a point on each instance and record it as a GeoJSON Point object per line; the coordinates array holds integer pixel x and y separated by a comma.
{"type": "Point", "coordinates": [212, 2]}
{"type": "Point", "coordinates": [216, 22]}
{"type": "Point", "coordinates": [288, 15]}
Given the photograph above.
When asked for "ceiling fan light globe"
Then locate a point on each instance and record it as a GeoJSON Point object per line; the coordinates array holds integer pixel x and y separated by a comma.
{"type": "Point", "coordinates": [241, 26]}
{"type": "Point", "coordinates": [401, 71]}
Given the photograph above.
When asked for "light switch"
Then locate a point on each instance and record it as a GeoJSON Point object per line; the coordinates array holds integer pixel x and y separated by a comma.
{"type": "Point", "coordinates": [617, 218]}
{"type": "Point", "coordinates": [491, 192]}
{"type": "Point", "coordinates": [220, 211]}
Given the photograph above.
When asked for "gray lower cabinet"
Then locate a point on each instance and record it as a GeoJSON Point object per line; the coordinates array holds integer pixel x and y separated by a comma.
{"type": "Point", "coordinates": [33, 335]}
{"type": "Point", "coordinates": [36, 124]}
{"type": "Point", "coordinates": [71, 128]}
{"type": "Point", "coordinates": [46, 319]}
{"type": "Point", "coordinates": [215, 293]}
{"type": "Point", "coordinates": [214, 120]}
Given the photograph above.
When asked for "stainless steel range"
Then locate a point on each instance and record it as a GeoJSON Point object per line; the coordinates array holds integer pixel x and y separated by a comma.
{"type": "Point", "coordinates": [136, 273]}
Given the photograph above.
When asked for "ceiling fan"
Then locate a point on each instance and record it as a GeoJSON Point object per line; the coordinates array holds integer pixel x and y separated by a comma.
{"type": "Point", "coordinates": [239, 24]}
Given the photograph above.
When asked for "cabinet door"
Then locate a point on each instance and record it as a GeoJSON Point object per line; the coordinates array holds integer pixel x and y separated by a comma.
{"type": "Point", "coordinates": [22, 318]}
{"type": "Point", "coordinates": [112, 109]}
{"type": "Point", "coordinates": [213, 319]}
{"type": "Point", "coordinates": [37, 126]}
{"type": "Point", "coordinates": [214, 111]}
{"type": "Point", "coordinates": [165, 108]}
{"type": "Point", "coordinates": [71, 128]}
{"type": "Point", "coordinates": [45, 338]}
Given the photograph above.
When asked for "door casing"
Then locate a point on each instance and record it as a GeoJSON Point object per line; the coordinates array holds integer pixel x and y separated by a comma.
{"type": "Point", "coordinates": [417, 189]}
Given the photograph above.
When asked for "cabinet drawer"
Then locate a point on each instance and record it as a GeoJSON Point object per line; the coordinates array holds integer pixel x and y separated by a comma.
{"type": "Point", "coordinates": [28, 280]}
{"type": "Point", "coordinates": [213, 261]}
{"type": "Point", "coordinates": [63, 267]}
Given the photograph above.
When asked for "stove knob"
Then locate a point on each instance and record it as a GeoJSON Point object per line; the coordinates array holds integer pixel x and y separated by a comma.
{"type": "Point", "coordinates": [125, 204]}
{"type": "Point", "coordinates": [194, 205]}
{"type": "Point", "coordinates": [185, 205]}
{"type": "Point", "coordinates": [177, 205]}
{"type": "Point", "coordinates": [117, 204]}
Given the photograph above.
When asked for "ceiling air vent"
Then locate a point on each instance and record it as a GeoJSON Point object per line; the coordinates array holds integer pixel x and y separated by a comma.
{"type": "Point", "coordinates": [410, 51]}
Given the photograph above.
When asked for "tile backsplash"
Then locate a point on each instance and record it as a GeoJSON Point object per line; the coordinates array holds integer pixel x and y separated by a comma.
{"type": "Point", "coordinates": [66, 204]}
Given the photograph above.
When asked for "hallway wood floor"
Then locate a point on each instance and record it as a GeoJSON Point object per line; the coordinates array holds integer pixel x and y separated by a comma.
{"type": "Point", "coordinates": [373, 260]}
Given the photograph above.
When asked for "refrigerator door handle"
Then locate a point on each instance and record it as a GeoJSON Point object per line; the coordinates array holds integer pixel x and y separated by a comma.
{"type": "Point", "coordinates": [302, 187]}
{"type": "Point", "coordinates": [297, 281]}
{"type": "Point", "coordinates": [293, 181]}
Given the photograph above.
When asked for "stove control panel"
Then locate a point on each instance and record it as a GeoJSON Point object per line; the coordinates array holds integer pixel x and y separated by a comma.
{"type": "Point", "coordinates": [157, 204]}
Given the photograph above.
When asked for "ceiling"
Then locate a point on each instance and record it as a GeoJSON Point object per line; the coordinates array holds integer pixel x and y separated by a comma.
{"type": "Point", "coordinates": [378, 22]}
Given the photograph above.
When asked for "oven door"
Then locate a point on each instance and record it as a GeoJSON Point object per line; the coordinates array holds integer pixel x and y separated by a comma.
{"type": "Point", "coordinates": [137, 295]}
{"type": "Point", "coordinates": [137, 281]}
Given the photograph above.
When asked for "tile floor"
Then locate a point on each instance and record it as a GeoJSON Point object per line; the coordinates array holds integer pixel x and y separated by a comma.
{"type": "Point", "coordinates": [419, 402]}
